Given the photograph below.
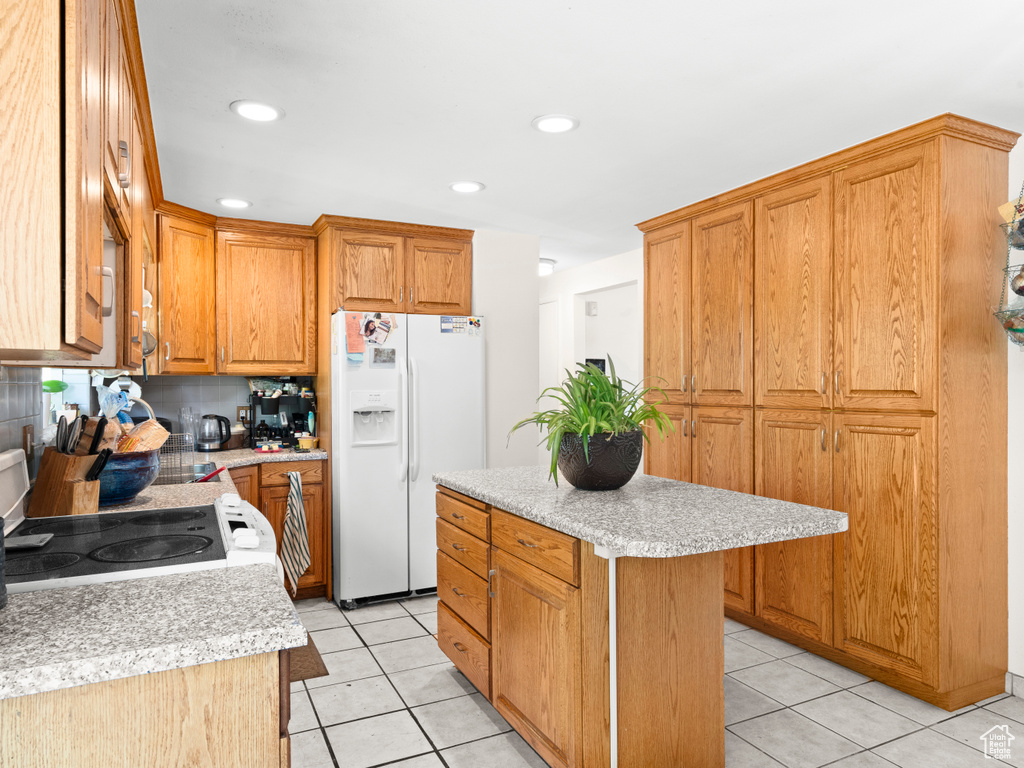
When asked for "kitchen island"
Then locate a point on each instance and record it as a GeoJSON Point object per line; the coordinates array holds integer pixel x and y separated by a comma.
{"type": "Point", "coordinates": [593, 621]}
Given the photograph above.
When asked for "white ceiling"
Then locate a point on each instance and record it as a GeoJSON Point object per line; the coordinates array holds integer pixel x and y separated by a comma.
{"type": "Point", "coordinates": [388, 101]}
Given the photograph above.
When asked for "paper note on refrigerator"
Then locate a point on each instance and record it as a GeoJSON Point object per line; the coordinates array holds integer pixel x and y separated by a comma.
{"type": "Point", "coordinates": [355, 342]}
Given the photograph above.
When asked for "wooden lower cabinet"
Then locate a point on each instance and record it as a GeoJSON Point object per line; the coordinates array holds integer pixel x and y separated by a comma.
{"type": "Point", "coordinates": [223, 713]}
{"type": "Point", "coordinates": [793, 579]}
{"type": "Point", "coordinates": [535, 637]}
{"type": "Point", "coordinates": [247, 484]}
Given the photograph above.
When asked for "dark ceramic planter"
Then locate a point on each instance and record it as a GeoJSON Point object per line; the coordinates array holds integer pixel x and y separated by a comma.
{"type": "Point", "coordinates": [126, 475]}
{"type": "Point", "coordinates": [612, 462]}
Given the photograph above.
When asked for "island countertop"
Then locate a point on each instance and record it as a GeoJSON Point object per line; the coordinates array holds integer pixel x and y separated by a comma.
{"type": "Point", "coordinates": [649, 516]}
{"type": "Point", "coordinates": [60, 638]}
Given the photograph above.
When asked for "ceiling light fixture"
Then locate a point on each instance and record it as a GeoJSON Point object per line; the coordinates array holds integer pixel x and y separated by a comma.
{"type": "Point", "coordinates": [254, 110]}
{"type": "Point", "coordinates": [555, 123]}
{"type": "Point", "coordinates": [233, 202]}
{"type": "Point", "coordinates": [546, 267]}
{"type": "Point", "coordinates": [466, 187]}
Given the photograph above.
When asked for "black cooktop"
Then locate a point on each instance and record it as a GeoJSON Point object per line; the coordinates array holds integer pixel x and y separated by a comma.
{"type": "Point", "coordinates": [85, 545]}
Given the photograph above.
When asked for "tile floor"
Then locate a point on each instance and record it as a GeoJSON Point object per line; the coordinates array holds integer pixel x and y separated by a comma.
{"type": "Point", "coordinates": [393, 699]}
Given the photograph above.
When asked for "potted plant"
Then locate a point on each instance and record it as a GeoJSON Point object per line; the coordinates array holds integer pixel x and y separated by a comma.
{"type": "Point", "coordinates": [596, 436]}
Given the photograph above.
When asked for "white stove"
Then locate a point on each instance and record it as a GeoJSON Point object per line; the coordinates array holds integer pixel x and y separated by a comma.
{"type": "Point", "coordinates": [114, 546]}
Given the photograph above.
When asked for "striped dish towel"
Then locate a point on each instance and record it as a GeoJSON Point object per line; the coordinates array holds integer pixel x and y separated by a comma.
{"type": "Point", "coordinates": [295, 537]}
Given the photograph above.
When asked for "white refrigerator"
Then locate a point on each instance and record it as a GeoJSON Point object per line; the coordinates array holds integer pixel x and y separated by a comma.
{"type": "Point", "coordinates": [407, 397]}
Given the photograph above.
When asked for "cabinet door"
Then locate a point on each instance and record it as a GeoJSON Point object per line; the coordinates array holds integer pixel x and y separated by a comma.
{"type": "Point", "coordinates": [83, 211]}
{"type": "Point", "coordinates": [126, 121]}
{"type": "Point", "coordinates": [722, 326]}
{"type": "Point", "coordinates": [667, 305]}
{"type": "Point", "coordinates": [669, 456]}
{"type": "Point", "coordinates": [439, 277]}
{"type": "Point", "coordinates": [886, 598]}
{"type": "Point", "coordinates": [723, 457]}
{"type": "Point", "coordinates": [793, 579]}
{"type": "Point", "coordinates": [793, 296]}
{"type": "Point", "coordinates": [535, 641]}
{"type": "Point", "coordinates": [275, 508]}
{"type": "Point", "coordinates": [886, 263]}
{"type": "Point", "coordinates": [187, 297]}
{"type": "Point", "coordinates": [373, 271]}
{"type": "Point", "coordinates": [113, 163]}
{"type": "Point", "coordinates": [266, 304]}
{"type": "Point", "coordinates": [246, 484]}
{"type": "Point", "coordinates": [134, 253]}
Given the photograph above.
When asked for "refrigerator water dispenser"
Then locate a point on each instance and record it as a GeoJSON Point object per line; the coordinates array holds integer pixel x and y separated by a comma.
{"type": "Point", "coordinates": [373, 416]}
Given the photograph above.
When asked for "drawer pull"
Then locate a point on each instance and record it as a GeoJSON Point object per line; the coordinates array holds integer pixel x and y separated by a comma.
{"type": "Point", "coordinates": [460, 647]}
{"type": "Point", "coordinates": [457, 593]}
{"type": "Point", "coordinates": [458, 516]}
{"type": "Point", "coordinates": [528, 544]}
{"type": "Point", "coordinates": [457, 548]}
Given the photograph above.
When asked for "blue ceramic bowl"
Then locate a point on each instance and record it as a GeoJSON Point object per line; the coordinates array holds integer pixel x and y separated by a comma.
{"type": "Point", "coordinates": [126, 475]}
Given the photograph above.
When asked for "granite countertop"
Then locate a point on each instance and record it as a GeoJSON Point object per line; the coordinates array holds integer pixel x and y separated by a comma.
{"type": "Point", "coordinates": [60, 638]}
{"type": "Point", "coordinates": [197, 494]}
{"type": "Point", "coordinates": [649, 516]}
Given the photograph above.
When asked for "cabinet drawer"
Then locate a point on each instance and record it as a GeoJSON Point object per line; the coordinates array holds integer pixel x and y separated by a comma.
{"type": "Point", "coordinates": [276, 473]}
{"type": "Point", "coordinates": [464, 592]}
{"type": "Point", "coordinates": [468, 651]}
{"type": "Point", "coordinates": [458, 513]}
{"type": "Point", "coordinates": [464, 549]}
{"type": "Point", "coordinates": [551, 551]}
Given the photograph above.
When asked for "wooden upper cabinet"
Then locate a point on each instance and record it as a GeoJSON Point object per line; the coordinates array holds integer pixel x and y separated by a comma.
{"type": "Point", "coordinates": [723, 457]}
{"type": "Point", "coordinates": [793, 579]}
{"type": "Point", "coordinates": [266, 304]}
{"type": "Point", "coordinates": [722, 289]}
{"type": "Point", "coordinates": [372, 269]}
{"type": "Point", "coordinates": [886, 269]}
{"type": "Point", "coordinates": [886, 603]}
{"type": "Point", "coordinates": [188, 319]}
{"type": "Point", "coordinates": [83, 278]}
{"type": "Point", "coordinates": [118, 116]}
{"type": "Point", "coordinates": [669, 456]}
{"type": "Point", "coordinates": [793, 296]}
{"type": "Point", "coordinates": [535, 636]}
{"type": "Point", "coordinates": [439, 277]}
{"type": "Point", "coordinates": [134, 256]}
{"type": "Point", "coordinates": [667, 307]}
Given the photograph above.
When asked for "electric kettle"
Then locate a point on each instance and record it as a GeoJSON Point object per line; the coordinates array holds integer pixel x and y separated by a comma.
{"type": "Point", "coordinates": [214, 433]}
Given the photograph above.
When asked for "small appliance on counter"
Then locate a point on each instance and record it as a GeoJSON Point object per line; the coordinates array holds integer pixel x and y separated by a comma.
{"type": "Point", "coordinates": [214, 433]}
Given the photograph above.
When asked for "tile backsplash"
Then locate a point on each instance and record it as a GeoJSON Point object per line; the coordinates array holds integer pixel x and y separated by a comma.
{"type": "Point", "coordinates": [21, 404]}
{"type": "Point", "coordinates": [205, 394]}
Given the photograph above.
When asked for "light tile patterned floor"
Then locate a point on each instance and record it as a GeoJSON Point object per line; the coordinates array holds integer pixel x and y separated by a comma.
{"type": "Point", "coordinates": [393, 699]}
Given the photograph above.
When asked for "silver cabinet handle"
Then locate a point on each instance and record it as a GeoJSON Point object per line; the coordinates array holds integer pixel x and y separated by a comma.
{"type": "Point", "coordinates": [222, 354]}
{"type": "Point", "coordinates": [693, 384]}
{"type": "Point", "coordinates": [528, 544]}
{"type": "Point", "coordinates": [400, 289]}
{"type": "Point", "coordinates": [824, 391]}
{"type": "Point", "coordinates": [682, 375]}
{"type": "Point", "coordinates": [124, 179]}
{"type": "Point", "coordinates": [837, 441]}
{"type": "Point", "coordinates": [837, 382]}
{"type": "Point", "coordinates": [459, 647]}
{"type": "Point", "coordinates": [457, 516]}
{"type": "Point", "coordinates": [823, 439]}
{"type": "Point", "coordinates": [457, 593]}
{"type": "Point", "coordinates": [490, 592]}
{"type": "Point", "coordinates": [135, 338]}
{"type": "Point", "coordinates": [693, 428]}
{"type": "Point", "coordinates": [457, 548]}
{"type": "Point", "coordinates": [685, 432]}
{"type": "Point", "coordinates": [168, 355]}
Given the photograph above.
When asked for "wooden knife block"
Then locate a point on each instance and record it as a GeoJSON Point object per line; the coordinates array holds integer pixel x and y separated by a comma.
{"type": "Point", "coordinates": [61, 488]}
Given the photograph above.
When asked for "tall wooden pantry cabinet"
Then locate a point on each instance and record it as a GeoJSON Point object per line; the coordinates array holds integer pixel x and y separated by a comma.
{"type": "Point", "coordinates": [825, 336]}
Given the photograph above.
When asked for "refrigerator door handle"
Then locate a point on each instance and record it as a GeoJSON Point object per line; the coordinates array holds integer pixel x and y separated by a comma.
{"type": "Point", "coordinates": [403, 383]}
{"type": "Point", "coordinates": [414, 410]}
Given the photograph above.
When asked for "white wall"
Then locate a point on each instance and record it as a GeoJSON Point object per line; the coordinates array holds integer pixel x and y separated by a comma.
{"type": "Point", "coordinates": [1015, 480]}
{"type": "Point", "coordinates": [565, 341]}
{"type": "Point", "coordinates": [615, 331]}
{"type": "Point", "coordinates": [505, 294]}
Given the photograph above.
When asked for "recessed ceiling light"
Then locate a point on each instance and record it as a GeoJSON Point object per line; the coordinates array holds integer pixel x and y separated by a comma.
{"type": "Point", "coordinates": [546, 267]}
{"type": "Point", "coordinates": [233, 202]}
{"type": "Point", "coordinates": [466, 187]}
{"type": "Point", "coordinates": [555, 123]}
{"type": "Point", "coordinates": [254, 110]}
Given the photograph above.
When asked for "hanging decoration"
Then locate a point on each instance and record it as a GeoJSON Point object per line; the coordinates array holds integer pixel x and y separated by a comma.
{"type": "Point", "coordinates": [1011, 306]}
